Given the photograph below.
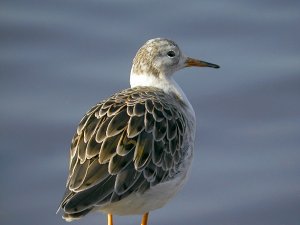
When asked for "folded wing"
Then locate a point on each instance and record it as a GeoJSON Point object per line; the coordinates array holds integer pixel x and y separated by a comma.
{"type": "Point", "coordinates": [128, 143]}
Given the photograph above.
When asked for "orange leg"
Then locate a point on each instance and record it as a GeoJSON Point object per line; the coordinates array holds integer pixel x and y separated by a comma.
{"type": "Point", "coordinates": [110, 219]}
{"type": "Point", "coordinates": [145, 219]}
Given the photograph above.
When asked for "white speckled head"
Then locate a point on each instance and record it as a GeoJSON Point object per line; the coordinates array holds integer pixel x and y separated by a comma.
{"type": "Point", "coordinates": [157, 57]}
{"type": "Point", "coordinates": [157, 60]}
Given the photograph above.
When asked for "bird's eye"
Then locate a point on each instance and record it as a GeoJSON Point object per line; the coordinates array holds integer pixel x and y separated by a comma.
{"type": "Point", "coordinates": [171, 54]}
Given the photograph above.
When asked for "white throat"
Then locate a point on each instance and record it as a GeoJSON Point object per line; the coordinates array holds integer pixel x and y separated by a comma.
{"type": "Point", "coordinates": [166, 83]}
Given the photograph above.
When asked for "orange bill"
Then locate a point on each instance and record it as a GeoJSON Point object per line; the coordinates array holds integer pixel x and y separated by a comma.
{"type": "Point", "coordinates": [195, 62]}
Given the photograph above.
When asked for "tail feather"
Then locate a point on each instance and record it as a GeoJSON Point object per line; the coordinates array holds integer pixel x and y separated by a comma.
{"type": "Point", "coordinates": [75, 216]}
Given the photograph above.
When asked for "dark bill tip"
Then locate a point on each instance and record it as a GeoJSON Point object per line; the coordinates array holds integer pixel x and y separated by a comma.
{"type": "Point", "coordinates": [212, 65]}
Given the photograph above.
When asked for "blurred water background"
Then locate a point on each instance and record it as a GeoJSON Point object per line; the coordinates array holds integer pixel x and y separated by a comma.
{"type": "Point", "coordinates": [60, 57]}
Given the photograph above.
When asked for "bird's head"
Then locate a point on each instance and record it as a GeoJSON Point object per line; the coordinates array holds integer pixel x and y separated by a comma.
{"type": "Point", "coordinates": [158, 59]}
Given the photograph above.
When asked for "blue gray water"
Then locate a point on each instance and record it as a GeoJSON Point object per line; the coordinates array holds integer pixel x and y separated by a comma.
{"type": "Point", "coordinates": [58, 58]}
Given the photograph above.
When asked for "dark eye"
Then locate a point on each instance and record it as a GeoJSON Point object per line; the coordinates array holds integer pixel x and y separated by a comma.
{"type": "Point", "coordinates": [171, 54]}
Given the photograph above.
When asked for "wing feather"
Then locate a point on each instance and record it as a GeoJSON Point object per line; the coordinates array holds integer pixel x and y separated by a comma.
{"type": "Point", "coordinates": [135, 126]}
{"type": "Point", "coordinates": [160, 128]}
{"type": "Point", "coordinates": [149, 122]}
{"type": "Point", "coordinates": [81, 147]}
{"type": "Point", "coordinates": [143, 150]}
{"type": "Point", "coordinates": [95, 174]}
{"type": "Point", "coordinates": [79, 174]}
{"type": "Point", "coordinates": [117, 124]}
{"type": "Point", "coordinates": [125, 144]}
{"type": "Point", "coordinates": [125, 179]}
{"type": "Point", "coordinates": [89, 197]}
{"type": "Point", "coordinates": [90, 128]}
{"type": "Point", "coordinates": [93, 148]}
{"type": "Point", "coordinates": [101, 132]}
{"type": "Point", "coordinates": [108, 148]}
{"type": "Point", "coordinates": [118, 163]}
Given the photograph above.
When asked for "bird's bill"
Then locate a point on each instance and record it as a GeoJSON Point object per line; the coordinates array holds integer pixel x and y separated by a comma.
{"type": "Point", "coordinates": [195, 62]}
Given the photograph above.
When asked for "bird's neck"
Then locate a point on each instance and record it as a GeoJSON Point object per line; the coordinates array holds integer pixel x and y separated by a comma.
{"type": "Point", "coordinates": [151, 80]}
{"type": "Point", "coordinates": [166, 83]}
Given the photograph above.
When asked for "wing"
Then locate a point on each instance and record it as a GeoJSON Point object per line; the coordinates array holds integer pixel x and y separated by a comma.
{"type": "Point", "coordinates": [126, 144]}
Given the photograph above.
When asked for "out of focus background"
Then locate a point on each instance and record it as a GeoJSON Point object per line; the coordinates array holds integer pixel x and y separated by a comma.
{"type": "Point", "coordinates": [58, 58]}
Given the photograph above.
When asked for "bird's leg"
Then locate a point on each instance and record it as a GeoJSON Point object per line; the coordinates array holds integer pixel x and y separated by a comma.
{"type": "Point", "coordinates": [110, 219]}
{"type": "Point", "coordinates": [145, 219]}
